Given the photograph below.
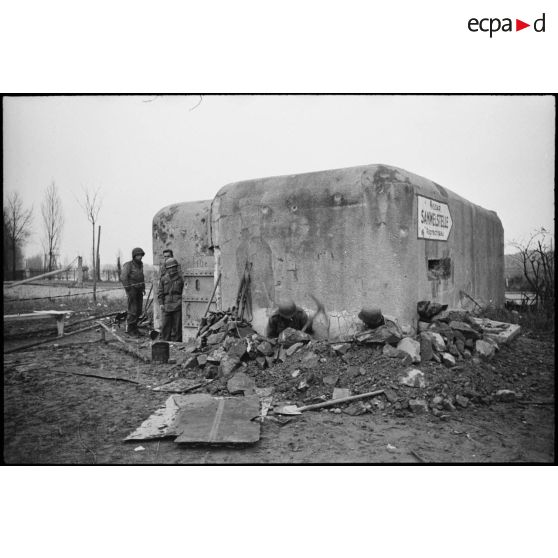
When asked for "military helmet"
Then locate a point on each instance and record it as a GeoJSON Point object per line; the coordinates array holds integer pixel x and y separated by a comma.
{"type": "Point", "coordinates": [171, 262]}
{"type": "Point", "coordinates": [137, 252]}
{"type": "Point", "coordinates": [287, 308]}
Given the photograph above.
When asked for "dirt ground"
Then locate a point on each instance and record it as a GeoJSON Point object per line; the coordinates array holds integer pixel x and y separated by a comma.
{"type": "Point", "coordinates": [57, 417]}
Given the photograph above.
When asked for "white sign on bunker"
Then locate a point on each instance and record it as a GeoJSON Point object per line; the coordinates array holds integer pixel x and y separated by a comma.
{"type": "Point", "coordinates": [434, 219]}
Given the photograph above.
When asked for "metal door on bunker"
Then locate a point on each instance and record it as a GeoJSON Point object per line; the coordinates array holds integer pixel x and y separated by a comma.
{"type": "Point", "coordinates": [198, 287]}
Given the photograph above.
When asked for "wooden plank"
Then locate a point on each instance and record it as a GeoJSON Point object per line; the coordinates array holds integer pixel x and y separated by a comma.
{"type": "Point", "coordinates": [219, 421]}
{"type": "Point", "coordinates": [38, 314]}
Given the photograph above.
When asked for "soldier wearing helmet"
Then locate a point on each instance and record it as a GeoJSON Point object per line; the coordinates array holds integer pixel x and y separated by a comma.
{"type": "Point", "coordinates": [288, 314]}
{"type": "Point", "coordinates": [169, 295]}
{"type": "Point", "coordinates": [134, 284]}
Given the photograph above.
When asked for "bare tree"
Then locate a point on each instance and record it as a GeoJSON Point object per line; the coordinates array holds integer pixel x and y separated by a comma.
{"type": "Point", "coordinates": [53, 223]}
{"type": "Point", "coordinates": [537, 260]}
{"type": "Point", "coordinates": [91, 205]}
{"type": "Point", "coordinates": [17, 225]}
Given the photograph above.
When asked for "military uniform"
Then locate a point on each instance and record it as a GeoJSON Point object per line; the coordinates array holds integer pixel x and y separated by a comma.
{"type": "Point", "coordinates": [278, 323]}
{"type": "Point", "coordinates": [134, 284]}
{"type": "Point", "coordinates": [169, 295]}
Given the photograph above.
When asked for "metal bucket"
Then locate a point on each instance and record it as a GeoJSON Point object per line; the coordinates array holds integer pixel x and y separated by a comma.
{"type": "Point", "coordinates": [160, 352]}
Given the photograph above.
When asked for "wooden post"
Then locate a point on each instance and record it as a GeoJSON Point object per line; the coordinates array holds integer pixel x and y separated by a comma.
{"type": "Point", "coordinates": [98, 267]}
{"type": "Point", "coordinates": [80, 272]}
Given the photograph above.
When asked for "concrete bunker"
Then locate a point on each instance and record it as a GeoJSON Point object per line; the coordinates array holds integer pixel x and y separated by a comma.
{"type": "Point", "coordinates": [371, 235]}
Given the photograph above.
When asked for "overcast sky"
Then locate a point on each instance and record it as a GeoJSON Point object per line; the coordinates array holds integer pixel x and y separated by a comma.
{"type": "Point", "coordinates": [148, 152]}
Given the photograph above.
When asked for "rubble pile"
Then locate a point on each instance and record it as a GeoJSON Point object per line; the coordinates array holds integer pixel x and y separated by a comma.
{"type": "Point", "coordinates": [442, 366]}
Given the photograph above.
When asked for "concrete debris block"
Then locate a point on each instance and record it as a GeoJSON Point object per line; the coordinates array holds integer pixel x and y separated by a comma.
{"type": "Point", "coordinates": [485, 349]}
{"type": "Point", "coordinates": [202, 359]}
{"type": "Point", "coordinates": [238, 348]}
{"type": "Point", "coordinates": [304, 384]}
{"type": "Point", "coordinates": [427, 309]}
{"type": "Point", "coordinates": [448, 405]}
{"type": "Point", "coordinates": [330, 379]}
{"type": "Point", "coordinates": [261, 362]}
{"type": "Point", "coordinates": [491, 338]}
{"type": "Point", "coordinates": [341, 348]}
{"type": "Point", "coordinates": [291, 336]}
{"type": "Point", "coordinates": [452, 349]}
{"type": "Point", "coordinates": [357, 408]}
{"type": "Point", "coordinates": [241, 383]}
{"type": "Point", "coordinates": [436, 402]}
{"type": "Point", "coordinates": [354, 371]}
{"type": "Point", "coordinates": [294, 348]}
{"type": "Point", "coordinates": [269, 361]}
{"type": "Point", "coordinates": [295, 373]}
{"type": "Point", "coordinates": [392, 352]}
{"type": "Point", "coordinates": [340, 393]}
{"type": "Point", "coordinates": [418, 406]}
{"type": "Point", "coordinates": [505, 396]}
{"type": "Point", "coordinates": [215, 356]}
{"type": "Point", "coordinates": [448, 360]}
{"type": "Point", "coordinates": [461, 400]}
{"type": "Point", "coordinates": [216, 338]}
{"type": "Point", "coordinates": [388, 333]}
{"type": "Point", "coordinates": [441, 328]}
{"type": "Point", "coordinates": [469, 344]}
{"type": "Point", "coordinates": [282, 354]}
{"type": "Point", "coordinates": [408, 330]}
{"type": "Point", "coordinates": [411, 347]}
{"type": "Point", "coordinates": [412, 378]}
{"type": "Point", "coordinates": [452, 314]}
{"type": "Point", "coordinates": [310, 360]}
{"type": "Point", "coordinates": [391, 396]}
{"type": "Point", "coordinates": [228, 365]}
{"type": "Point", "coordinates": [423, 326]}
{"type": "Point", "coordinates": [211, 371]}
{"type": "Point", "coordinates": [265, 348]}
{"type": "Point", "coordinates": [426, 350]}
{"type": "Point", "coordinates": [460, 345]}
{"type": "Point", "coordinates": [465, 329]}
{"type": "Point", "coordinates": [503, 332]}
{"type": "Point", "coordinates": [191, 362]}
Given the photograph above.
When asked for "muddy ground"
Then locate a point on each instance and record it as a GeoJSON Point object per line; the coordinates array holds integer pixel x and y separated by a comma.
{"type": "Point", "coordinates": [56, 417]}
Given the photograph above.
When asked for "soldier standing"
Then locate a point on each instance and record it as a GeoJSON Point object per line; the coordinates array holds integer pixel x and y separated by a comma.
{"type": "Point", "coordinates": [169, 295]}
{"type": "Point", "coordinates": [134, 284]}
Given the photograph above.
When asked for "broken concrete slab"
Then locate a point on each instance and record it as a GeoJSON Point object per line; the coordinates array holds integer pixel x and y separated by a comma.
{"type": "Point", "coordinates": [291, 336]}
{"type": "Point", "coordinates": [465, 329]}
{"type": "Point", "coordinates": [219, 421]}
{"type": "Point", "coordinates": [191, 362]}
{"type": "Point", "coordinates": [215, 356]}
{"type": "Point", "coordinates": [411, 347]}
{"type": "Point", "coordinates": [161, 423]}
{"type": "Point", "coordinates": [502, 332]}
{"type": "Point", "coordinates": [452, 314]}
{"type": "Point", "coordinates": [388, 333]}
{"type": "Point", "coordinates": [202, 359]}
{"type": "Point", "coordinates": [237, 348]}
{"type": "Point", "coordinates": [391, 396]}
{"type": "Point", "coordinates": [412, 378]}
{"type": "Point", "coordinates": [241, 383]}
